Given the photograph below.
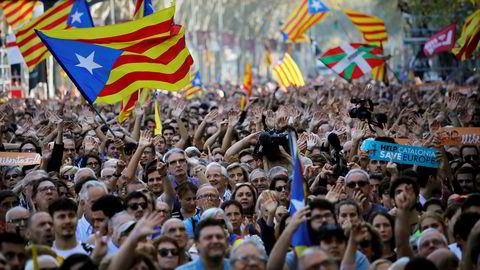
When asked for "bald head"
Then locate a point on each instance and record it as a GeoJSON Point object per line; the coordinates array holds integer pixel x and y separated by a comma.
{"type": "Point", "coordinates": [444, 259]}
{"type": "Point", "coordinates": [175, 228]}
{"type": "Point", "coordinates": [314, 257]}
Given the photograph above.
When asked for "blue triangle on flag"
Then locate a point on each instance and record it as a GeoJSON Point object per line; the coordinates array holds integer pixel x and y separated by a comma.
{"type": "Point", "coordinates": [88, 65]}
{"type": "Point", "coordinates": [316, 6]}
{"type": "Point", "coordinates": [79, 15]}
{"type": "Point", "coordinates": [197, 81]}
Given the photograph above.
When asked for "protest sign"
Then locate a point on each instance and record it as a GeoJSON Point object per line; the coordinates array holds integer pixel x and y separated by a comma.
{"type": "Point", "coordinates": [400, 153]}
{"type": "Point", "coordinates": [452, 136]}
{"type": "Point", "coordinates": [19, 159]}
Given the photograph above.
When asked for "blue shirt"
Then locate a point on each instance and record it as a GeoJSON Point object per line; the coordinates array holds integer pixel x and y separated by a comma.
{"type": "Point", "coordinates": [361, 262]}
{"type": "Point", "coordinates": [199, 265]}
{"type": "Point", "coordinates": [189, 224]}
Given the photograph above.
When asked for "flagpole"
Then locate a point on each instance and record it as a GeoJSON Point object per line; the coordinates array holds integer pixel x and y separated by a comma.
{"type": "Point", "coordinates": [112, 11]}
{"type": "Point", "coordinates": [103, 119]}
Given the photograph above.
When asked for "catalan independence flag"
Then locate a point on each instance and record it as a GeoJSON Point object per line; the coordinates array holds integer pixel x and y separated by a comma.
{"type": "Point", "coordinates": [287, 73]}
{"type": "Point", "coordinates": [469, 41]}
{"type": "Point", "coordinates": [375, 33]}
{"type": "Point", "coordinates": [193, 87]}
{"type": "Point", "coordinates": [142, 8]}
{"type": "Point", "coordinates": [301, 238]}
{"type": "Point", "coordinates": [308, 13]}
{"type": "Point", "coordinates": [65, 14]}
{"type": "Point", "coordinates": [109, 63]}
{"type": "Point", "coordinates": [17, 12]}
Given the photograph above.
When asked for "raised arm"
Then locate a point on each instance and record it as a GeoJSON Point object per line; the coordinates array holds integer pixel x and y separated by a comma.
{"type": "Point", "coordinates": [404, 203]}
{"type": "Point", "coordinates": [145, 141]}
{"type": "Point", "coordinates": [197, 138]}
{"type": "Point", "coordinates": [239, 146]}
{"type": "Point", "coordinates": [221, 128]}
{"type": "Point", "coordinates": [177, 114]}
{"type": "Point", "coordinates": [138, 122]}
{"type": "Point", "coordinates": [233, 118]}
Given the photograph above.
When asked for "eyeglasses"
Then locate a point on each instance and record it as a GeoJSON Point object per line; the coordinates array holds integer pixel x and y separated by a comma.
{"type": "Point", "coordinates": [28, 150]}
{"type": "Point", "coordinates": [8, 177]}
{"type": "Point", "coordinates": [250, 259]}
{"type": "Point", "coordinates": [208, 196]}
{"type": "Point", "coordinates": [179, 161]}
{"type": "Point", "coordinates": [45, 189]}
{"type": "Point", "coordinates": [165, 252]}
{"type": "Point", "coordinates": [360, 184]}
{"type": "Point", "coordinates": [18, 221]}
{"type": "Point", "coordinates": [163, 211]}
{"type": "Point", "coordinates": [69, 177]}
{"type": "Point", "coordinates": [281, 188]}
{"type": "Point", "coordinates": [135, 206]}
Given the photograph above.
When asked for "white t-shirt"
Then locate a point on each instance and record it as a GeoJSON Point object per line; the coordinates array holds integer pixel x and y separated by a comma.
{"type": "Point", "coordinates": [62, 253]}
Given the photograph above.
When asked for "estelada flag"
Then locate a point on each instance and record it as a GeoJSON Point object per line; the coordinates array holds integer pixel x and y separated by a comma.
{"type": "Point", "coordinates": [441, 41]}
{"type": "Point", "coordinates": [351, 61]}
{"type": "Point", "coordinates": [302, 18]}
{"type": "Point", "coordinates": [109, 63]}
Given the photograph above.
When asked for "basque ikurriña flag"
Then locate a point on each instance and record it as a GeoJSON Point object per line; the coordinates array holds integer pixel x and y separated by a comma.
{"type": "Point", "coordinates": [109, 63]}
{"type": "Point", "coordinates": [301, 237]}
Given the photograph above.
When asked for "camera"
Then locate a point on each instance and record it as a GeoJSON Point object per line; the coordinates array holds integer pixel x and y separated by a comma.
{"type": "Point", "coordinates": [364, 112]}
{"type": "Point", "coordinates": [269, 142]}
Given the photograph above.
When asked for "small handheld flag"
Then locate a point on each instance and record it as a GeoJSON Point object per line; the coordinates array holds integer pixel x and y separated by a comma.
{"type": "Point", "coordinates": [308, 13]}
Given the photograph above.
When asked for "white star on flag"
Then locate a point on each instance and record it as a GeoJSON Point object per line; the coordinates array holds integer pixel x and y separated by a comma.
{"type": "Point", "coordinates": [76, 17]}
{"type": "Point", "coordinates": [87, 62]}
{"type": "Point", "coordinates": [298, 204]}
{"type": "Point", "coordinates": [196, 82]}
{"type": "Point", "coordinates": [316, 4]}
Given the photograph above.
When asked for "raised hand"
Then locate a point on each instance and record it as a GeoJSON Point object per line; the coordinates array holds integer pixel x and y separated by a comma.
{"type": "Point", "coordinates": [361, 199]}
{"type": "Point", "coordinates": [270, 119]}
{"type": "Point", "coordinates": [145, 138]}
{"type": "Point", "coordinates": [333, 195]}
{"type": "Point", "coordinates": [233, 117]}
{"type": "Point", "coordinates": [118, 143]}
{"type": "Point", "coordinates": [161, 168]}
{"type": "Point", "coordinates": [360, 132]}
{"type": "Point", "coordinates": [145, 226]}
{"type": "Point", "coordinates": [211, 116]}
{"type": "Point", "coordinates": [452, 102]}
{"type": "Point", "coordinates": [312, 141]}
{"type": "Point", "coordinates": [139, 110]}
{"type": "Point", "coordinates": [90, 143]}
{"type": "Point", "coordinates": [179, 109]}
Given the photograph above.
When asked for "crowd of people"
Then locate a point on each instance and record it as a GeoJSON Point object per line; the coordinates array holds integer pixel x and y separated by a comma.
{"type": "Point", "coordinates": [212, 187]}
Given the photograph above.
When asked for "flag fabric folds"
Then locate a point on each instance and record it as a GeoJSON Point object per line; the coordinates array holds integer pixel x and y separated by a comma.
{"type": "Point", "coordinates": [372, 28]}
{"type": "Point", "coordinates": [158, 121]}
{"type": "Point", "coordinates": [65, 14]}
{"type": "Point", "coordinates": [469, 41]}
{"type": "Point", "coordinates": [351, 61]}
{"type": "Point", "coordinates": [303, 17]}
{"type": "Point", "coordinates": [287, 73]}
{"type": "Point", "coordinates": [194, 86]}
{"type": "Point", "coordinates": [109, 63]}
{"type": "Point", "coordinates": [375, 33]}
{"type": "Point", "coordinates": [441, 41]}
{"type": "Point", "coordinates": [143, 8]}
{"type": "Point", "coordinates": [301, 238]}
{"type": "Point", "coordinates": [17, 12]}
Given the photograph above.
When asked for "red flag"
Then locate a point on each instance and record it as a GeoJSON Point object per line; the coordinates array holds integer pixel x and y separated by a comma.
{"type": "Point", "coordinates": [441, 41]}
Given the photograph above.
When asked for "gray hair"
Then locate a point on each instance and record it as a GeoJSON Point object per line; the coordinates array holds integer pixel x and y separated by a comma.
{"type": "Point", "coordinates": [428, 232]}
{"type": "Point", "coordinates": [80, 171]}
{"type": "Point", "coordinates": [92, 183]}
{"type": "Point", "coordinates": [162, 230]}
{"type": "Point", "coordinates": [250, 242]}
{"type": "Point", "coordinates": [218, 165]}
{"type": "Point", "coordinates": [213, 212]}
{"type": "Point", "coordinates": [172, 151]}
{"type": "Point", "coordinates": [356, 171]}
{"type": "Point", "coordinates": [12, 210]}
{"type": "Point", "coordinates": [119, 218]}
{"type": "Point", "coordinates": [276, 170]}
{"type": "Point", "coordinates": [313, 251]}
{"type": "Point", "coordinates": [252, 174]}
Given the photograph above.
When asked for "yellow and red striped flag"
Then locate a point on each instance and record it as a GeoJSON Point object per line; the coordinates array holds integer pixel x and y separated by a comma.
{"type": "Point", "coordinates": [17, 12]}
{"type": "Point", "coordinates": [193, 87]}
{"type": "Point", "coordinates": [302, 18]}
{"type": "Point", "coordinates": [287, 73]}
{"type": "Point", "coordinates": [109, 63]}
{"type": "Point", "coordinates": [57, 17]}
{"type": "Point", "coordinates": [375, 33]}
{"type": "Point", "coordinates": [469, 40]}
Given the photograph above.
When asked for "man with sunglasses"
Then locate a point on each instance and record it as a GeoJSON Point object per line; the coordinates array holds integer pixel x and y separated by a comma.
{"type": "Point", "coordinates": [136, 204]}
{"type": "Point", "coordinates": [357, 183]}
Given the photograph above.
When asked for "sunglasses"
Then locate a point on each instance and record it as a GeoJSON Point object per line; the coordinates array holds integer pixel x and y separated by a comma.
{"type": "Point", "coordinates": [281, 188]}
{"type": "Point", "coordinates": [70, 177]}
{"type": "Point", "coordinates": [8, 177]}
{"type": "Point", "coordinates": [360, 184]}
{"type": "Point", "coordinates": [165, 252]}
{"type": "Point", "coordinates": [135, 206]}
